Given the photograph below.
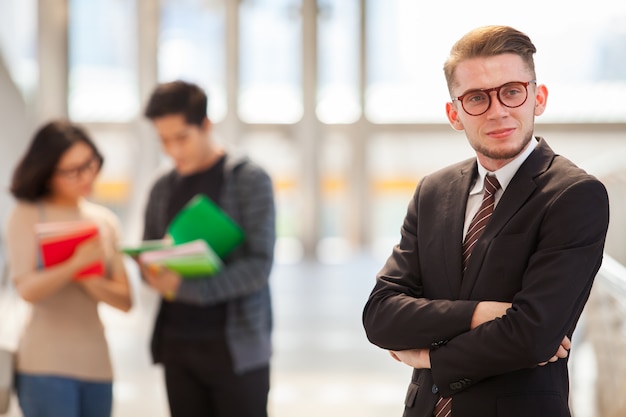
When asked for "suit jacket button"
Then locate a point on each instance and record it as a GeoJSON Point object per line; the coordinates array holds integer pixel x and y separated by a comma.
{"type": "Point", "coordinates": [438, 344]}
{"type": "Point", "coordinates": [435, 389]}
{"type": "Point", "coordinates": [456, 386]}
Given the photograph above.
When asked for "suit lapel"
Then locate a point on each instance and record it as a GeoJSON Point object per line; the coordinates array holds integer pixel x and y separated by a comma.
{"type": "Point", "coordinates": [516, 194]}
{"type": "Point", "coordinates": [454, 212]}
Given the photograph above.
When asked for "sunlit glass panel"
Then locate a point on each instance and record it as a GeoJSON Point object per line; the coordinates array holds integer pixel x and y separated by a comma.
{"type": "Point", "coordinates": [270, 61]}
{"type": "Point", "coordinates": [103, 60]}
{"type": "Point", "coordinates": [18, 42]}
{"type": "Point", "coordinates": [407, 45]}
{"type": "Point", "coordinates": [192, 48]}
{"type": "Point", "coordinates": [404, 79]}
{"type": "Point", "coordinates": [338, 97]}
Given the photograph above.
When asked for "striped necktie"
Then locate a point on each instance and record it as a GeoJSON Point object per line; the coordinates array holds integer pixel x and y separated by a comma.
{"type": "Point", "coordinates": [443, 408]}
{"type": "Point", "coordinates": [479, 222]}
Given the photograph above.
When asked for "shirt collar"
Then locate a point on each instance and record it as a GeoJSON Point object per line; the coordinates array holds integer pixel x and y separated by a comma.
{"type": "Point", "coordinates": [504, 174]}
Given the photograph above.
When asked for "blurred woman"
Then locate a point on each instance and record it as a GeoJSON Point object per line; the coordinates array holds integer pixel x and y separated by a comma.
{"type": "Point", "coordinates": [63, 364]}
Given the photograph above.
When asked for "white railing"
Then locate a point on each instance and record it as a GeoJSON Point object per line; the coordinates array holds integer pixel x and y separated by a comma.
{"type": "Point", "coordinates": [598, 362]}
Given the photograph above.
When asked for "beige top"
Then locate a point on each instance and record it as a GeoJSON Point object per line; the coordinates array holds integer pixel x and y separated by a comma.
{"type": "Point", "coordinates": [64, 335]}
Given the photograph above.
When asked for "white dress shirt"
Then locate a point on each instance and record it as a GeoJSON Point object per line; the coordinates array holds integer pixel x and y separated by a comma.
{"type": "Point", "coordinates": [504, 176]}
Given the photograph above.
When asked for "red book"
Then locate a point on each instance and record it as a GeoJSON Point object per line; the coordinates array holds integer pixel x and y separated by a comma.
{"type": "Point", "coordinates": [58, 241]}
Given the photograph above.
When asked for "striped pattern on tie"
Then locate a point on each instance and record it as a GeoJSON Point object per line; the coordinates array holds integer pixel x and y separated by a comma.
{"type": "Point", "coordinates": [443, 408]}
{"type": "Point", "coordinates": [479, 222]}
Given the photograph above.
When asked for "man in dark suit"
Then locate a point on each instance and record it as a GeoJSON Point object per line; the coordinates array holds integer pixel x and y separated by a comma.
{"type": "Point", "coordinates": [491, 338]}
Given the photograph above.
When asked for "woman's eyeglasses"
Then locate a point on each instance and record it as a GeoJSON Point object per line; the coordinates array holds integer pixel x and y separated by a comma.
{"type": "Point", "coordinates": [92, 166]}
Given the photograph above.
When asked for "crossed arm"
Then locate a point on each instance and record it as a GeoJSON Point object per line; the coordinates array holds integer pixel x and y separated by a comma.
{"type": "Point", "coordinates": [485, 311]}
{"type": "Point", "coordinates": [543, 264]}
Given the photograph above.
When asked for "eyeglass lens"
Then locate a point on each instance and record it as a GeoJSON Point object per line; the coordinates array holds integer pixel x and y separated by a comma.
{"type": "Point", "coordinates": [510, 95]}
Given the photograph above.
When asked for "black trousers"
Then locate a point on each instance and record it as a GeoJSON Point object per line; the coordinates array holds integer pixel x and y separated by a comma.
{"type": "Point", "coordinates": [200, 382]}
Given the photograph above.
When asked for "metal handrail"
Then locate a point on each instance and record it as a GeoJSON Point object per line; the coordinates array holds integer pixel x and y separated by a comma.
{"type": "Point", "coordinates": [612, 274]}
{"type": "Point", "coordinates": [598, 362]}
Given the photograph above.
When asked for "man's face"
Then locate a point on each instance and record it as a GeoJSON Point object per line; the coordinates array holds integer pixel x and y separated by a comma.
{"type": "Point", "coordinates": [501, 133]}
{"type": "Point", "coordinates": [187, 144]}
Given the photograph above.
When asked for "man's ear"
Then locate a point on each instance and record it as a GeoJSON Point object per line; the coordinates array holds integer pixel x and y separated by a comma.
{"type": "Point", "coordinates": [206, 124]}
{"type": "Point", "coordinates": [453, 116]}
{"type": "Point", "coordinates": [541, 99]}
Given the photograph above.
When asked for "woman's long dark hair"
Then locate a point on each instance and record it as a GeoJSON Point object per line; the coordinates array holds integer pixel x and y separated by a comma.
{"type": "Point", "coordinates": [31, 178]}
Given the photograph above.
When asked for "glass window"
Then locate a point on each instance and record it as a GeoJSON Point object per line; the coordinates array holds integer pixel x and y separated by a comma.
{"type": "Point", "coordinates": [583, 63]}
{"type": "Point", "coordinates": [18, 43]}
{"type": "Point", "coordinates": [270, 61]}
{"type": "Point", "coordinates": [102, 60]}
{"type": "Point", "coordinates": [338, 98]}
{"type": "Point", "coordinates": [337, 222]}
{"type": "Point", "coordinates": [404, 82]}
{"type": "Point", "coordinates": [395, 163]}
{"type": "Point", "coordinates": [114, 182]}
{"type": "Point", "coordinates": [582, 59]}
{"type": "Point", "coordinates": [192, 48]}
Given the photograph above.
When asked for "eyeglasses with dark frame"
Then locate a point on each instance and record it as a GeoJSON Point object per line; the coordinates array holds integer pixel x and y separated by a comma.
{"type": "Point", "coordinates": [512, 94]}
{"type": "Point", "coordinates": [93, 165]}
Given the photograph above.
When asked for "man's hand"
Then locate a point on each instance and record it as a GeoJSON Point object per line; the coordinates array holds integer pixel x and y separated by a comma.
{"type": "Point", "coordinates": [561, 352]}
{"type": "Point", "coordinates": [165, 281]}
{"type": "Point", "coordinates": [415, 358]}
{"type": "Point", "coordinates": [490, 310]}
{"type": "Point", "coordinates": [485, 311]}
{"type": "Point", "coordinates": [88, 252]}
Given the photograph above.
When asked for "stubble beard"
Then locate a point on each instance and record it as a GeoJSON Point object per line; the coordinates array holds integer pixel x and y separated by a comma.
{"type": "Point", "coordinates": [503, 153]}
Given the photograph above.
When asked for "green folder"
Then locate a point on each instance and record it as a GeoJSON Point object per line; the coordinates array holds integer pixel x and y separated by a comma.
{"type": "Point", "coordinates": [145, 246]}
{"type": "Point", "coordinates": [191, 259]}
{"type": "Point", "coordinates": [202, 219]}
{"type": "Point", "coordinates": [193, 266]}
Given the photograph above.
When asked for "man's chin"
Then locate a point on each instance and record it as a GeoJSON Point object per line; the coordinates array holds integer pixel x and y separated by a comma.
{"type": "Point", "coordinates": [505, 151]}
{"type": "Point", "coordinates": [182, 169]}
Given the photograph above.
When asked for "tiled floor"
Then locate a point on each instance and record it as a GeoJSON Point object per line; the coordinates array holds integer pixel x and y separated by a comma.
{"type": "Point", "coordinates": [323, 365]}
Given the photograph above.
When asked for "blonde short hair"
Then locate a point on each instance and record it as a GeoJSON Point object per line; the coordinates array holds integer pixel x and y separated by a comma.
{"type": "Point", "coordinates": [489, 41]}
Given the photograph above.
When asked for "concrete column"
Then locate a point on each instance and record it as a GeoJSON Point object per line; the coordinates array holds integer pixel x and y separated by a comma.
{"type": "Point", "coordinates": [230, 127]}
{"type": "Point", "coordinates": [146, 148]}
{"type": "Point", "coordinates": [53, 53]}
{"type": "Point", "coordinates": [308, 132]}
{"type": "Point", "coordinates": [360, 180]}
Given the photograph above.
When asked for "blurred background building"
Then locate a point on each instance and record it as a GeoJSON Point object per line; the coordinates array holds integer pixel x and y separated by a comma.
{"type": "Point", "coordinates": [342, 101]}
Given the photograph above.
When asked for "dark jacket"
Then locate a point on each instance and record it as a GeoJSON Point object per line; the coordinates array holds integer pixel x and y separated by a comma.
{"type": "Point", "coordinates": [540, 251]}
{"type": "Point", "coordinates": [243, 283]}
